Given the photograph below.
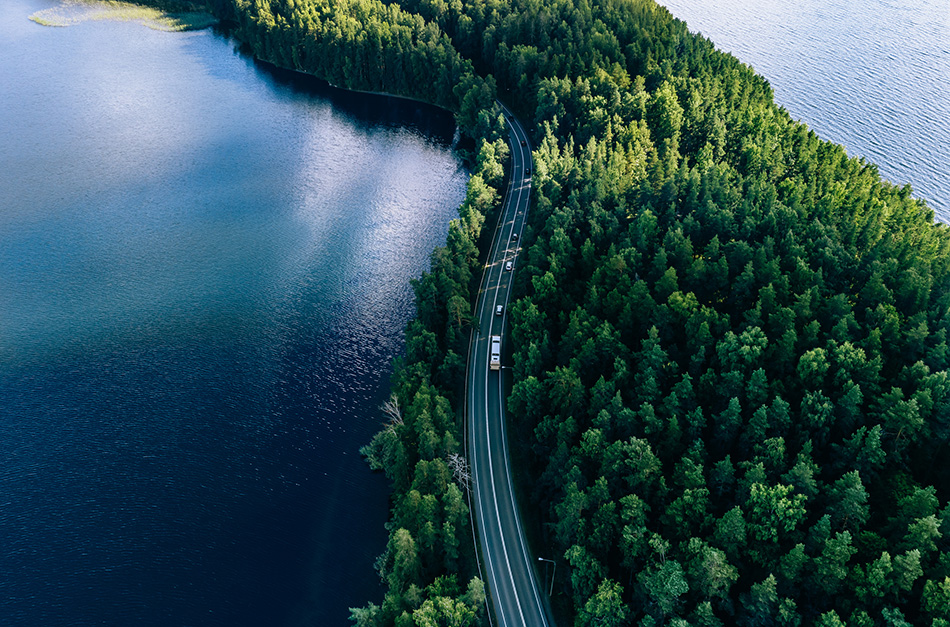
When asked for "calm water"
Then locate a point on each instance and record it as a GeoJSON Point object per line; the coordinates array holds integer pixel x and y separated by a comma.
{"type": "Point", "coordinates": [872, 75]}
{"type": "Point", "coordinates": [204, 277]}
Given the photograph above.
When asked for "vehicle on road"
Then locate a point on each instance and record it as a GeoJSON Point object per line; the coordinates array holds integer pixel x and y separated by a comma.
{"type": "Point", "coordinates": [494, 353]}
{"type": "Point", "coordinates": [508, 266]}
{"type": "Point", "coordinates": [514, 236]}
{"type": "Point", "coordinates": [499, 309]}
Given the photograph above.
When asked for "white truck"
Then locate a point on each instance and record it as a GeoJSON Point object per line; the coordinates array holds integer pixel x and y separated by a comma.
{"type": "Point", "coordinates": [494, 353]}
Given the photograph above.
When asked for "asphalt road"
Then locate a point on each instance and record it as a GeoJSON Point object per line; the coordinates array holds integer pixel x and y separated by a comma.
{"type": "Point", "coordinates": [508, 567]}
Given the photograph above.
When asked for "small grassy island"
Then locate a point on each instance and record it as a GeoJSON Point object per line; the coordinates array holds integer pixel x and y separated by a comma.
{"type": "Point", "coordinates": [731, 396]}
{"type": "Point", "coordinates": [165, 16]}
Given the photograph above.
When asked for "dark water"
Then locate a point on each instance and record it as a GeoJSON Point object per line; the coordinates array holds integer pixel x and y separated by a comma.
{"type": "Point", "coordinates": [872, 75]}
{"type": "Point", "coordinates": [204, 277]}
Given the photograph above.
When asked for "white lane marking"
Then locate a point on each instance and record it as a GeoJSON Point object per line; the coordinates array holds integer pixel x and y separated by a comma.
{"type": "Point", "coordinates": [480, 501]}
{"type": "Point", "coordinates": [491, 461]}
{"type": "Point", "coordinates": [494, 494]}
{"type": "Point", "coordinates": [522, 189]}
{"type": "Point", "coordinates": [507, 467]}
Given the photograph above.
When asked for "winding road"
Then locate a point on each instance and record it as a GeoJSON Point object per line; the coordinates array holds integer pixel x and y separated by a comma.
{"type": "Point", "coordinates": [509, 569]}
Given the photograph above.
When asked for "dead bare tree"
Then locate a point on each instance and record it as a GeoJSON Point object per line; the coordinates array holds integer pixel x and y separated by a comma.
{"type": "Point", "coordinates": [460, 470]}
{"type": "Point", "coordinates": [392, 411]}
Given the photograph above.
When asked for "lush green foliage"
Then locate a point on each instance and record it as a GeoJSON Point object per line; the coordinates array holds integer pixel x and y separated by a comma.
{"type": "Point", "coordinates": [731, 346]}
{"type": "Point", "coordinates": [366, 45]}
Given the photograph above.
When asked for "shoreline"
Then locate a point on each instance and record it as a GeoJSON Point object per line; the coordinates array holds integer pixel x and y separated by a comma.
{"type": "Point", "coordinates": [73, 12]}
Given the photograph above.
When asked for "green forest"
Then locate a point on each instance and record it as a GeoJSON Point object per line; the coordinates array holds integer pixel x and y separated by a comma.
{"type": "Point", "coordinates": [729, 343]}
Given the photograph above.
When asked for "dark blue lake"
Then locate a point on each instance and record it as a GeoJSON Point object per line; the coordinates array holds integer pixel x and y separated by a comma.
{"type": "Point", "coordinates": [872, 75]}
{"type": "Point", "coordinates": [204, 279]}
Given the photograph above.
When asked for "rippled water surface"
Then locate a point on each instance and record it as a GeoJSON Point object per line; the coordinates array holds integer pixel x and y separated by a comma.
{"type": "Point", "coordinates": [204, 278]}
{"type": "Point", "coordinates": [872, 75]}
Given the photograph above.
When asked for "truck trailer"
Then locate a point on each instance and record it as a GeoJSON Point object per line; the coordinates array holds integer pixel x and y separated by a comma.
{"type": "Point", "coordinates": [494, 353]}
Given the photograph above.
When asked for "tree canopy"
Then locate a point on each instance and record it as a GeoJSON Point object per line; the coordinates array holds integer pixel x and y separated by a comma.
{"type": "Point", "coordinates": [730, 338]}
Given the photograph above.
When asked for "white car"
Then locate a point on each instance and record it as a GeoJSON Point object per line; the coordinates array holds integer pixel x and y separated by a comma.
{"type": "Point", "coordinates": [499, 309]}
{"type": "Point", "coordinates": [508, 266]}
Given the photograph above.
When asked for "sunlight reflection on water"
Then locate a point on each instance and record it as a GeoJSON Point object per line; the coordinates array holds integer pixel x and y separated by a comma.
{"type": "Point", "coordinates": [204, 279]}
